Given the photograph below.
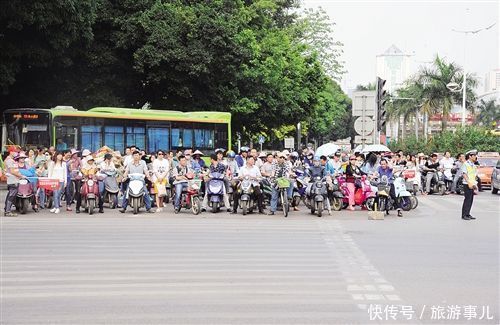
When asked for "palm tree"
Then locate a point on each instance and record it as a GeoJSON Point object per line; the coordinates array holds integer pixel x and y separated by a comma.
{"type": "Point", "coordinates": [438, 98]}
{"type": "Point", "coordinates": [410, 103]}
{"type": "Point", "coordinates": [489, 113]}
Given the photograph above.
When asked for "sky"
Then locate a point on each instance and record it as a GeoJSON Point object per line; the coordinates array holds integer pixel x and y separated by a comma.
{"type": "Point", "coordinates": [422, 28]}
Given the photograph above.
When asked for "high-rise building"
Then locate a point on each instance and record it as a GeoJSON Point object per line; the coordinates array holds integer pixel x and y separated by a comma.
{"type": "Point", "coordinates": [492, 81]}
{"type": "Point", "coordinates": [395, 67]}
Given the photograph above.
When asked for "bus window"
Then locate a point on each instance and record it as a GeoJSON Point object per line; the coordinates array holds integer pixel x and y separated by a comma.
{"type": "Point", "coordinates": [66, 131]}
{"type": "Point", "coordinates": [114, 138]}
{"type": "Point", "coordinates": [182, 135]}
{"type": "Point", "coordinates": [91, 137]}
{"type": "Point", "coordinates": [136, 136]}
{"type": "Point", "coordinates": [187, 138]}
{"type": "Point", "coordinates": [158, 139]}
{"type": "Point", "coordinates": [204, 138]}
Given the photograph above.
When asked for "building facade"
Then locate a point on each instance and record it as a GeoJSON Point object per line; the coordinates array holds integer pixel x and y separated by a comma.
{"type": "Point", "coordinates": [395, 67]}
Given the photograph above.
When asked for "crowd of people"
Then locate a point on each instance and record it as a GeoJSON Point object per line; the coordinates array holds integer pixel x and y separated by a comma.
{"type": "Point", "coordinates": [169, 168]}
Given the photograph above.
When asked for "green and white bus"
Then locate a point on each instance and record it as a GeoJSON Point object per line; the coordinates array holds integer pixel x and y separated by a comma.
{"type": "Point", "coordinates": [65, 127]}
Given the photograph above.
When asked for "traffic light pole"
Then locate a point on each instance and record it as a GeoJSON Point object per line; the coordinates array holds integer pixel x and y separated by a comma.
{"type": "Point", "coordinates": [363, 112]}
{"type": "Point", "coordinates": [376, 131]}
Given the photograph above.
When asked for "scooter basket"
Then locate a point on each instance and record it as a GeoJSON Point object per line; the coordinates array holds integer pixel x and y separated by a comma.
{"type": "Point", "coordinates": [282, 182]}
{"type": "Point", "coordinates": [194, 184]}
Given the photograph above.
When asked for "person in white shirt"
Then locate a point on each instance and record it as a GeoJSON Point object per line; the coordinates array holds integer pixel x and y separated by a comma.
{"type": "Point", "coordinates": [250, 170]}
{"type": "Point", "coordinates": [255, 155]}
{"type": "Point", "coordinates": [128, 156]}
{"type": "Point", "coordinates": [161, 168]}
{"type": "Point", "coordinates": [447, 163]}
{"type": "Point", "coordinates": [58, 170]}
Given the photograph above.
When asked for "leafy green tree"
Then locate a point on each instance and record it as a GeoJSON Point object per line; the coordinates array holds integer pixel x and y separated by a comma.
{"type": "Point", "coordinates": [250, 58]}
{"type": "Point", "coordinates": [460, 141]}
{"type": "Point", "coordinates": [369, 86]}
{"type": "Point", "coordinates": [329, 113]}
{"type": "Point", "coordinates": [315, 29]}
{"type": "Point", "coordinates": [489, 113]}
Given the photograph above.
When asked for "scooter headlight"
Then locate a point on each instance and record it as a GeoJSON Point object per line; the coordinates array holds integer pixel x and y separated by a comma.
{"type": "Point", "coordinates": [90, 182]}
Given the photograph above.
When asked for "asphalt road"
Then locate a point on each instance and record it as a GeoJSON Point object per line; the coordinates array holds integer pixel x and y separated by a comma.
{"type": "Point", "coordinates": [257, 269]}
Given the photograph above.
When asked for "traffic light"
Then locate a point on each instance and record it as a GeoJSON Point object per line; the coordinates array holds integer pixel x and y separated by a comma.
{"type": "Point", "coordinates": [381, 111]}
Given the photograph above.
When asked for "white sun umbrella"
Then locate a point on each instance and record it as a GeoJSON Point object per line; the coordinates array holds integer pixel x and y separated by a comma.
{"type": "Point", "coordinates": [327, 149]}
{"type": "Point", "coordinates": [376, 148]}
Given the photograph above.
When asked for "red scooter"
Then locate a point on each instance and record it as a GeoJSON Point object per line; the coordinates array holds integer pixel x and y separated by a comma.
{"type": "Point", "coordinates": [90, 194]}
{"type": "Point", "coordinates": [363, 195]}
{"type": "Point", "coordinates": [190, 198]}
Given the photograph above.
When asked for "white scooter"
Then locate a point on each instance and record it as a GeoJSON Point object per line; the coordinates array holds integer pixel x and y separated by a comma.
{"type": "Point", "coordinates": [136, 191]}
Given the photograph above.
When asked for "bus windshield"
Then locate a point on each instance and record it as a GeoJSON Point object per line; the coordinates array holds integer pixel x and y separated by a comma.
{"type": "Point", "coordinates": [27, 129]}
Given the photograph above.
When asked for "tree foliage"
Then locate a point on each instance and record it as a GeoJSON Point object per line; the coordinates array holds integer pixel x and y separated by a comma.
{"type": "Point", "coordinates": [489, 113]}
{"type": "Point", "coordinates": [261, 60]}
{"type": "Point", "coordinates": [460, 141]}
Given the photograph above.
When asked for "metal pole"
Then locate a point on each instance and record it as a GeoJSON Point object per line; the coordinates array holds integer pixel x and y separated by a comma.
{"type": "Point", "coordinates": [464, 99]}
{"type": "Point", "coordinates": [363, 108]}
{"type": "Point", "coordinates": [464, 84]}
{"type": "Point", "coordinates": [299, 135]}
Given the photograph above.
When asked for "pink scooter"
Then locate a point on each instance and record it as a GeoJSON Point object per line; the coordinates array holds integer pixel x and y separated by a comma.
{"type": "Point", "coordinates": [25, 196]}
{"type": "Point", "coordinates": [363, 196]}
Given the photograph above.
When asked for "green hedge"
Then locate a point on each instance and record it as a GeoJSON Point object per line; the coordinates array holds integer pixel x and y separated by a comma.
{"type": "Point", "coordinates": [460, 141]}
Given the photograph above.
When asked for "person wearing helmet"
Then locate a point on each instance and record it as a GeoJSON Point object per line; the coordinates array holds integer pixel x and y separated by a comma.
{"type": "Point", "coordinates": [233, 170]}
{"type": "Point", "coordinates": [219, 168]}
{"type": "Point", "coordinates": [316, 170]}
{"type": "Point", "coordinates": [242, 157]}
{"type": "Point", "coordinates": [232, 164]}
{"type": "Point", "coordinates": [308, 159]}
{"type": "Point", "coordinates": [294, 159]}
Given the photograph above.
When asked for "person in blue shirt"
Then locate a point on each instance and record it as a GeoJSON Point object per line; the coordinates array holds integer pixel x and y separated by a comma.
{"type": "Point", "coordinates": [61, 145]}
{"type": "Point", "coordinates": [385, 169]}
{"type": "Point", "coordinates": [328, 167]}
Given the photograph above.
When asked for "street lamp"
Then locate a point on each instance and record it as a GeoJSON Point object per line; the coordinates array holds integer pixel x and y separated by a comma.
{"type": "Point", "coordinates": [464, 87]}
{"type": "Point", "coordinates": [455, 88]}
